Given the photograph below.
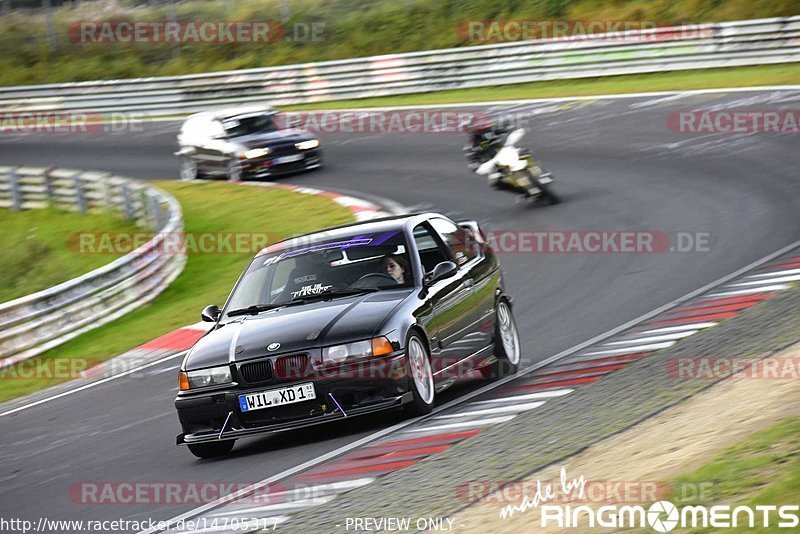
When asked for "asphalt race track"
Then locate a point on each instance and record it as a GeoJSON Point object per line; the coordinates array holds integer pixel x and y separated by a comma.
{"type": "Point", "coordinates": [619, 167]}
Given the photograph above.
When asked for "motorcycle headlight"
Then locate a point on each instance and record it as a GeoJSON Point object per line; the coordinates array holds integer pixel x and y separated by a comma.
{"type": "Point", "coordinates": [307, 145]}
{"type": "Point", "coordinates": [360, 349]}
{"type": "Point", "coordinates": [507, 157]}
{"type": "Point", "coordinates": [205, 377]}
{"type": "Point", "coordinates": [256, 153]}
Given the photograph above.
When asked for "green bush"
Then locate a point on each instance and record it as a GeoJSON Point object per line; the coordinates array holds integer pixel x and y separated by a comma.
{"type": "Point", "coordinates": [353, 28]}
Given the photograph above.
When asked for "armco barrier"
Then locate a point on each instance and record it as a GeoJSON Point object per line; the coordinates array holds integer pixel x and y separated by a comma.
{"type": "Point", "coordinates": [749, 42]}
{"type": "Point", "coordinates": [35, 323]}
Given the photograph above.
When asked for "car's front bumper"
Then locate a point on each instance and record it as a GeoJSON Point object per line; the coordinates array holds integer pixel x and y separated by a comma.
{"type": "Point", "coordinates": [275, 166]}
{"type": "Point", "coordinates": [216, 415]}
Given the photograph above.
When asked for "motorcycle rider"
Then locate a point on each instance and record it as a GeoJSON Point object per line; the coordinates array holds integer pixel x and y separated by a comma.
{"type": "Point", "coordinates": [486, 137]}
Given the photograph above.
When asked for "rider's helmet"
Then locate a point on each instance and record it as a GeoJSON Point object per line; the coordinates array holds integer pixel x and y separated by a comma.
{"type": "Point", "coordinates": [479, 124]}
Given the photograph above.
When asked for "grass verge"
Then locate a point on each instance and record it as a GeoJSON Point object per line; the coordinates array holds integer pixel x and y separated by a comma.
{"type": "Point", "coordinates": [35, 255]}
{"type": "Point", "coordinates": [785, 74]}
{"type": "Point", "coordinates": [762, 470]}
{"type": "Point", "coordinates": [207, 278]}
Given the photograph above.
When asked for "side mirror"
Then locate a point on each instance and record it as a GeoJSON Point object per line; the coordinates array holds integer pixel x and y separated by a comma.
{"type": "Point", "coordinates": [443, 270]}
{"type": "Point", "coordinates": [211, 314]}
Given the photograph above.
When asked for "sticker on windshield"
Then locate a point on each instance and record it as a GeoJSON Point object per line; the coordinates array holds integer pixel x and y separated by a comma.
{"type": "Point", "coordinates": [350, 242]}
{"type": "Point", "coordinates": [313, 289]}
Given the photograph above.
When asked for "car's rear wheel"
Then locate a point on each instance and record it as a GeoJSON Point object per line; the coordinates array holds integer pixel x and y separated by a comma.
{"type": "Point", "coordinates": [506, 343]}
{"type": "Point", "coordinates": [213, 449]}
{"type": "Point", "coordinates": [420, 376]}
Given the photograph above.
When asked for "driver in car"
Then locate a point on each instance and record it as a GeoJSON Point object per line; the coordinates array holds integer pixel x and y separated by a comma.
{"type": "Point", "coordinates": [396, 266]}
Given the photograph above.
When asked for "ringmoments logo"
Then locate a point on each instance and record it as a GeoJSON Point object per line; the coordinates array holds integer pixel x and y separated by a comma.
{"type": "Point", "coordinates": [661, 516]}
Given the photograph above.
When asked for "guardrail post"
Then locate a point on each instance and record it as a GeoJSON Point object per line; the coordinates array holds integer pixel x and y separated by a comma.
{"type": "Point", "coordinates": [126, 201]}
{"type": "Point", "coordinates": [48, 186]}
{"type": "Point", "coordinates": [144, 200]}
{"type": "Point", "coordinates": [155, 204]}
{"type": "Point", "coordinates": [16, 194]}
{"type": "Point", "coordinates": [80, 193]}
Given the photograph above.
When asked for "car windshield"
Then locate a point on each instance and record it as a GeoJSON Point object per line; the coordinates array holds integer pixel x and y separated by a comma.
{"type": "Point", "coordinates": [328, 269]}
{"type": "Point", "coordinates": [249, 124]}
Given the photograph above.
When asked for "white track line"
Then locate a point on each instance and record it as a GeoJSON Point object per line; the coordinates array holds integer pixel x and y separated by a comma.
{"type": "Point", "coordinates": [665, 337]}
{"type": "Point", "coordinates": [766, 281]}
{"type": "Point", "coordinates": [514, 408]}
{"type": "Point", "coordinates": [530, 396]}
{"type": "Point", "coordinates": [631, 350]}
{"type": "Point", "coordinates": [776, 273]}
{"type": "Point", "coordinates": [467, 424]}
{"type": "Point", "coordinates": [751, 291]}
{"type": "Point", "coordinates": [695, 326]}
{"type": "Point", "coordinates": [278, 507]}
{"type": "Point", "coordinates": [93, 384]}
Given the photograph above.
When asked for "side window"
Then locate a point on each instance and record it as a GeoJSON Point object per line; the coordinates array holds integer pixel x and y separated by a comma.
{"type": "Point", "coordinates": [459, 240]}
{"type": "Point", "coordinates": [430, 253]}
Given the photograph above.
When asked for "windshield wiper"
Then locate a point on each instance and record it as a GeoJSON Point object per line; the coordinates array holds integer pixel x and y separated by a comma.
{"type": "Point", "coordinates": [333, 293]}
{"type": "Point", "coordinates": [254, 309]}
{"type": "Point", "coordinates": [330, 293]}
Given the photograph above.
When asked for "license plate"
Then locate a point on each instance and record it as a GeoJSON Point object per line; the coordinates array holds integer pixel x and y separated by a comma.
{"type": "Point", "coordinates": [277, 397]}
{"type": "Point", "coordinates": [288, 159]}
{"type": "Point", "coordinates": [545, 180]}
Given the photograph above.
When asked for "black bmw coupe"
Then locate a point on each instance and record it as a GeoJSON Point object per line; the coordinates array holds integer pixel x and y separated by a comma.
{"type": "Point", "coordinates": [351, 320]}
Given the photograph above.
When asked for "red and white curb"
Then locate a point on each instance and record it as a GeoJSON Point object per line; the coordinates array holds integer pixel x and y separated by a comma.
{"type": "Point", "coordinates": [321, 483]}
{"type": "Point", "coordinates": [362, 210]}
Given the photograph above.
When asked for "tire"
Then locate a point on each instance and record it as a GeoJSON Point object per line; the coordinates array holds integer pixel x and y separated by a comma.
{"type": "Point", "coordinates": [189, 169]}
{"type": "Point", "coordinates": [507, 347]}
{"type": "Point", "coordinates": [420, 377]}
{"type": "Point", "coordinates": [551, 197]}
{"type": "Point", "coordinates": [213, 449]}
{"type": "Point", "coordinates": [234, 170]}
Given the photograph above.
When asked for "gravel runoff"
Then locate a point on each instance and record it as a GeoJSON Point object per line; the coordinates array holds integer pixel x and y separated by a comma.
{"type": "Point", "coordinates": [562, 428]}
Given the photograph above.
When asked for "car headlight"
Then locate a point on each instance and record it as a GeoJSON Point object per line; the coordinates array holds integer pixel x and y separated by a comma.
{"type": "Point", "coordinates": [360, 349]}
{"type": "Point", "coordinates": [205, 377]}
{"type": "Point", "coordinates": [307, 145]}
{"type": "Point", "coordinates": [256, 153]}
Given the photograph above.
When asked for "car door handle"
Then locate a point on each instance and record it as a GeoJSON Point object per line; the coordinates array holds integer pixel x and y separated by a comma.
{"type": "Point", "coordinates": [469, 283]}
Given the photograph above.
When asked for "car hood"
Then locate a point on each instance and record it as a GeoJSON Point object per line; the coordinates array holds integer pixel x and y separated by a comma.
{"type": "Point", "coordinates": [296, 328]}
{"type": "Point", "coordinates": [277, 137]}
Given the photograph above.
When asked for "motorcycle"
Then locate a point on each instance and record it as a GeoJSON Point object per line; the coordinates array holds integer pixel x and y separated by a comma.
{"type": "Point", "coordinates": [514, 169]}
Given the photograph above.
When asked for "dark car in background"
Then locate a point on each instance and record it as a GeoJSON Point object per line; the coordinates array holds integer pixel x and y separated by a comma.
{"type": "Point", "coordinates": [244, 143]}
{"type": "Point", "coordinates": [356, 319]}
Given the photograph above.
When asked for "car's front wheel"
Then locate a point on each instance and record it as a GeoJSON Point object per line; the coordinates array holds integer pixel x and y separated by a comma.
{"type": "Point", "coordinates": [506, 343]}
{"type": "Point", "coordinates": [420, 375]}
{"type": "Point", "coordinates": [213, 449]}
{"type": "Point", "coordinates": [234, 170]}
{"type": "Point", "coordinates": [189, 169]}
